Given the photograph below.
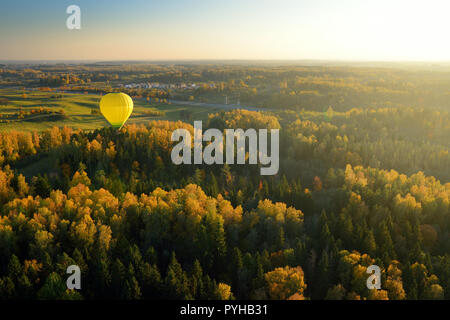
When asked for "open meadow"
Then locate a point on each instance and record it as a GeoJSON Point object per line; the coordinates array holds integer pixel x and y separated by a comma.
{"type": "Point", "coordinates": [78, 110]}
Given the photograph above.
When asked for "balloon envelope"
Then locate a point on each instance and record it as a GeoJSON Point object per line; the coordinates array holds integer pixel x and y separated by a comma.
{"type": "Point", "coordinates": [116, 108]}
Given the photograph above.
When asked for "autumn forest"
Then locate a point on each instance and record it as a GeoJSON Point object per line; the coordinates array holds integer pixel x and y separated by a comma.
{"type": "Point", "coordinates": [364, 179]}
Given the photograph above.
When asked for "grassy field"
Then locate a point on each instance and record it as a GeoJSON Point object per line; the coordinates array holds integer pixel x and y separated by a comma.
{"type": "Point", "coordinates": [78, 110]}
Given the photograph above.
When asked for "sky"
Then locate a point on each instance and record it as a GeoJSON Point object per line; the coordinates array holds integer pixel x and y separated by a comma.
{"type": "Point", "coordinates": [363, 30]}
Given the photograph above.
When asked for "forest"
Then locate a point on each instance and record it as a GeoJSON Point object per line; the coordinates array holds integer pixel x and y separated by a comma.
{"type": "Point", "coordinates": [364, 179]}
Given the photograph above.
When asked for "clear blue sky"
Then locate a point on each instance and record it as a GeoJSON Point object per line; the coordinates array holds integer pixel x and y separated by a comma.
{"type": "Point", "coordinates": [229, 29]}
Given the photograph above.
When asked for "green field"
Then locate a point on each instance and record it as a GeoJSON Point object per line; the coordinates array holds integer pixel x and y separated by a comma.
{"type": "Point", "coordinates": [78, 110]}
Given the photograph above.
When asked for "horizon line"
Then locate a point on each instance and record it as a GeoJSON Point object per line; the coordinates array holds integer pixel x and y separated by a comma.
{"type": "Point", "coordinates": [226, 60]}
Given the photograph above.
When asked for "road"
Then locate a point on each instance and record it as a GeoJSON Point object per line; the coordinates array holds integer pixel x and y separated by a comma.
{"type": "Point", "coordinates": [215, 105]}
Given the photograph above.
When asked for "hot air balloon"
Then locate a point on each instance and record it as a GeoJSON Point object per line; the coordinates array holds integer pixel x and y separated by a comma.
{"type": "Point", "coordinates": [116, 108]}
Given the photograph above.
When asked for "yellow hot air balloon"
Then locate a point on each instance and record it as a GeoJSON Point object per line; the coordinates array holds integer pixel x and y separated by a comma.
{"type": "Point", "coordinates": [116, 108]}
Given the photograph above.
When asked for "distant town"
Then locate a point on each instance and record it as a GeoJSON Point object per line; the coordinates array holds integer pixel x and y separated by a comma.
{"type": "Point", "coordinates": [157, 85]}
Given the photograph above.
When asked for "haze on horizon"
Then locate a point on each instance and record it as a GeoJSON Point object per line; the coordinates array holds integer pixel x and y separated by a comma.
{"type": "Point", "coordinates": [369, 30]}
